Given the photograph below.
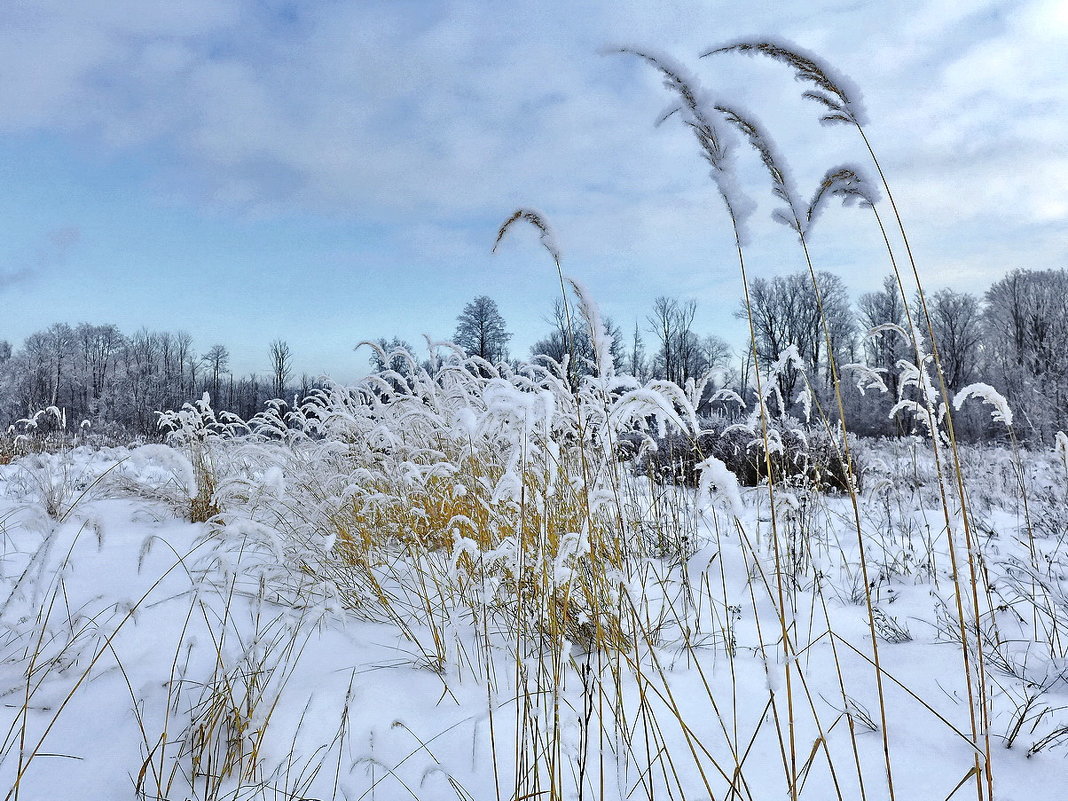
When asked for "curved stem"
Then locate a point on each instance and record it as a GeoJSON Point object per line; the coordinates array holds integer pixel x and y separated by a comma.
{"type": "Point", "coordinates": [791, 769]}
{"type": "Point", "coordinates": [983, 722]}
{"type": "Point", "coordinates": [847, 466]}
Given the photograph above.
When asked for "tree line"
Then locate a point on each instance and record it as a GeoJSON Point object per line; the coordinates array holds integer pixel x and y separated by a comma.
{"type": "Point", "coordinates": [1014, 337]}
{"type": "Point", "coordinates": [116, 381]}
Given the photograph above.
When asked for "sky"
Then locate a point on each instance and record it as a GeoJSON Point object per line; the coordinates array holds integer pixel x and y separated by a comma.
{"type": "Point", "coordinates": [327, 172]}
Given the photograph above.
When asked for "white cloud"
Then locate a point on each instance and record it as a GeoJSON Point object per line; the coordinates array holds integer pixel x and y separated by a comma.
{"type": "Point", "coordinates": [427, 116]}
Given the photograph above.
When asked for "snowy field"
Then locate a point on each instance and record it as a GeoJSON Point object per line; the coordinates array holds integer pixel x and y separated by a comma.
{"type": "Point", "coordinates": [459, 586]}
{"type": "Point", "coordinates": [809, 542]}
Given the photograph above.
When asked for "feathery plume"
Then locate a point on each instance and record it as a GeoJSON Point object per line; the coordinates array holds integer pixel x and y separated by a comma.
{"type": "Point", "coordinates": [845, 182]}
{"type": "Point", "coordinates": [714, 145]}
{"type": "Point", "coordinates": [837, 93]}
{"type": "Point", "coordinates": [781, 180]}
{"type": "Point", "coordinates": [548, 241]}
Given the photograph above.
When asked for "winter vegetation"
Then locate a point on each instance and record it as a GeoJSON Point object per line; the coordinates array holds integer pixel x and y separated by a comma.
{"type": "Point", "coordinates": [1015, 335]}
{"type": "Point", "coordinates": [827, 563]}
{"type": "Point", "coordinates": [114, 383]}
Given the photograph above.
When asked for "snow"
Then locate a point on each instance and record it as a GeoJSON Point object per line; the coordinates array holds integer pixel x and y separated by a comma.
{"type": "Point", "coordinates": [137, 646]}
{"type": "Point", "coordinates": [715, 474]}
{"type": "Point", "coordinates": [1001, 413]}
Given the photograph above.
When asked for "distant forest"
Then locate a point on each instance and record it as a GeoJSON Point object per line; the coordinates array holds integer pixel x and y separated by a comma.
{"type": "Point", "coordinates": [1013, 337]}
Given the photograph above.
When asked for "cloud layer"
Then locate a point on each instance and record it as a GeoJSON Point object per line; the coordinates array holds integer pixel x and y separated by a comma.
{"type": "Point", "coordinates": [430, 121]}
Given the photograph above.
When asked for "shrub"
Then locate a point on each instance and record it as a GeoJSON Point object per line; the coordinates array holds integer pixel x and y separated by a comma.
{"type": "Point", "coordinates": [806, 456]}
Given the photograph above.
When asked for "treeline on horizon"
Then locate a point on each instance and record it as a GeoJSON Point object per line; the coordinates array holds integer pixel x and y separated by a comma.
{"type": "Point", "coordinates": [1013, 337]}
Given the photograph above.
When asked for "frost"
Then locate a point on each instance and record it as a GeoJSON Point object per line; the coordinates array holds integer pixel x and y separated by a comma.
{"type": "Point", "coordinates": [1001, 413]}
{"type": "Point", "coordinates": [715, 474]}
{"type": "Point", "coordinates": [602, 341]}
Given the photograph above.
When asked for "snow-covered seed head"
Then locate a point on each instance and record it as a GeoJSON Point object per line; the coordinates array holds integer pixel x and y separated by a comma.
{"type": "Point", "coordinates": [839, 96]}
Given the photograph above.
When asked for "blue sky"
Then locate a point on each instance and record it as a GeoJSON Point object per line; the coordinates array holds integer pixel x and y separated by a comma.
{"type": "Point", "coordinates": [325, 172]}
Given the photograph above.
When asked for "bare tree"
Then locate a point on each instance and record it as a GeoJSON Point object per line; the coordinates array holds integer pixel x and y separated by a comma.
{"type": "Point", "coordinates": [883, 349]}
{"type": "Point", "coordinates": [636, 358]}
{"type": "Point", "coordinates": [957, 325]}
{"type": "Point", "coordinates": [1026, 322]}
{"type": "Point", "coordinates": [139, 394]}
{"type": "Point", "coordinates": [218, 361]}
{"type": "Point", "coordinates": [247, 396]}
{"type": "Point", "coordinates": [183, 349]}
{"type": "Point", "coordinates": [36, 387]}
{"type": "Point", "coordinates": [713, 351]}
{"type": "Point", "coordinates": [686, 343]}
{"type": "Point", "coordinates": [53, 351]}
{"type": "Point", "coordinates": [281, 366]}
{"type": "Point", "coordinates": [399, 356]}
{"type": "Point", "coordinates": [679, 356]}
{"type": "Point", "coordinates": [98, 348]}
{"type": "Point", "coordinates": [617, 349]}
{"type": "Point", "coordinates": [170, 373]}
{"type": "Point", "coordinates": [576, 345]}
{"type": "Point", "coordinates": [786, 311]}
{"type": "Point", "coordinates": [664, 323]}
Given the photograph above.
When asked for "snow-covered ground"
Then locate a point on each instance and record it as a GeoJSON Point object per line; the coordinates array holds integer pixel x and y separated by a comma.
{"type": "Point", "coordinates": [363, 613]}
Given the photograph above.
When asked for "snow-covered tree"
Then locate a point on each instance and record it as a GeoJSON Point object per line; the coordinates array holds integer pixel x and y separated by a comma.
{"type": "Point", "coordinates": [786, 311]}
{"type": "Point", "coordinates": [481, 330]}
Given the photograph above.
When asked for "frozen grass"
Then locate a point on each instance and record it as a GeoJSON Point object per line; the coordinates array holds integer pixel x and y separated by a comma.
{"type": "Point", "coordinates": [447, 584]}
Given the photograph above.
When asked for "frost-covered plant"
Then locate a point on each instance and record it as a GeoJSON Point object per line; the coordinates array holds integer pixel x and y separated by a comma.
{"type": "Point", "coordinates": [1000, 411]}
{"type": "Point", "coordinates": [799, 455]}
{"type": "Point", "coordinates": [194, 429]}
{"type": "Point", "coordinates": [509, 476]}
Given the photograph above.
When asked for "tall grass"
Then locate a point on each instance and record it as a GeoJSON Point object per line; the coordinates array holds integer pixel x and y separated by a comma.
{"type": "Point", "coordinates": [842, 106]}
{"type": "Point", "coordinates": [622, 635]}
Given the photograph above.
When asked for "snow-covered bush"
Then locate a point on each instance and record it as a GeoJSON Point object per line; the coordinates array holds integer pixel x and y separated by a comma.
{"type": "Point", "coordinates": [799, 455]}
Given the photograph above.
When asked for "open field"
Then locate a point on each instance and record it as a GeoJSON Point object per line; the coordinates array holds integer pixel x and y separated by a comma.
{"type": "Point", "coordinates": [451, 584]}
